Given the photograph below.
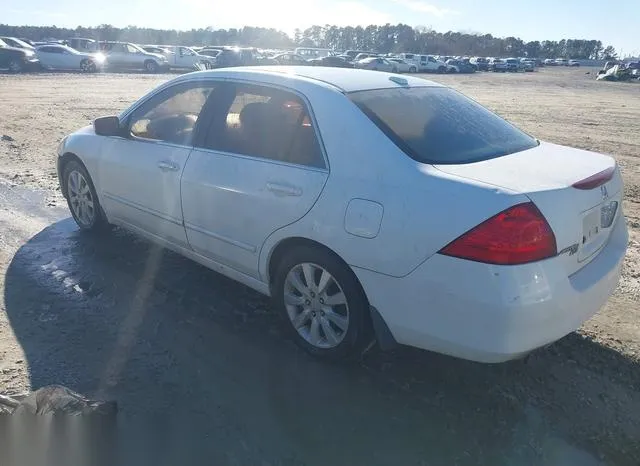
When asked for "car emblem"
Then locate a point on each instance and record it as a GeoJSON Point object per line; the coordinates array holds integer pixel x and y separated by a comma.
{"type": "Point", "coordinates": [605, 193]}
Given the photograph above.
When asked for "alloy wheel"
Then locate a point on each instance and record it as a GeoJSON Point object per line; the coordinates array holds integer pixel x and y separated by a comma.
{"type": "Point", "coordinates": [81, 199]}
{"type": "Point", "coordinates": [316, 305]}
{"type": "Point", "coordinates": [14, 66]}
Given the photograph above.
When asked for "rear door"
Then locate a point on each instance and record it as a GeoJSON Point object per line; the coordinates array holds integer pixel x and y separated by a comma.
{"type": "Point", "coordinates": [257, 166]}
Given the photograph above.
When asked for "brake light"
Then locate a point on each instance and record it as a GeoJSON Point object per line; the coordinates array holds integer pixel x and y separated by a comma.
{"type": "Point", "coordinates": [517, 235]}
{"type": "Point", "coordinates": [595, 180]}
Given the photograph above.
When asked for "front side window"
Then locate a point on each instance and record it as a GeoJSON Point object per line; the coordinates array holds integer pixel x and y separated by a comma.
{"type": "Point", "coordinates": [441, 126]}
{"type": "Point", "coordinates": [171, 116]}
{"type": "Point", "coordinates": [131, 49]}
{"type": "Point", "coordinates": [266, 123]}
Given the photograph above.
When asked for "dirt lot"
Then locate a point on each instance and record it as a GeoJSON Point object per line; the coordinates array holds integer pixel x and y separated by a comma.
{"type": "Point", "coordinates": [122, 319]}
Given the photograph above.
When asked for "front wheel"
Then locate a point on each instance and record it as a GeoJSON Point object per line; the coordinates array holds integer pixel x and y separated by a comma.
{"type": "Point", "coordinates": [15, 66]}
{"type": "Point", "coordinates": [394, 70]}
{"type": "Point", "coordinates": [151, 66]}
{"type": "Point", "coordinates": [322, 303]}
{"type": "Point", "coordinates": [413, 69]}
{"type": "Point", "coordinates": [88, 66]}
{"type": "Point", "coordinates": [442, 70]}
{"type": "Point", "coordinates": [82, 198]}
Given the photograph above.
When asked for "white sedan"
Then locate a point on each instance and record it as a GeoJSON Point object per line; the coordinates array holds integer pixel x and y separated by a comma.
{"type": "Point", "coordinates": [365, 204]}
{"type": "Point", "coordinates": [403, 66]}
{"type": "Point", "coordinates": [61, 57]}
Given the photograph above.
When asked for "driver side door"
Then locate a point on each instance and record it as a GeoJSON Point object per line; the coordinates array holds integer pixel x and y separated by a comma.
{"type": "Point", "coordinates": [140, 171]}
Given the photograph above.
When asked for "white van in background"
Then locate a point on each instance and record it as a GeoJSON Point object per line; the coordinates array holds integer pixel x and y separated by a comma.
{"type": "Point", "coordinates": [424, 63]}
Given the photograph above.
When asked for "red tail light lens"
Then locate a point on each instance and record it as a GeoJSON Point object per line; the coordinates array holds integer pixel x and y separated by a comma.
{"type": "Point", "coordinates": [517, 235]}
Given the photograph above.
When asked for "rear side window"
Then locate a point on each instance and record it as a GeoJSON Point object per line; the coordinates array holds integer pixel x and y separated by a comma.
{"type": "Point", "coordinates": [441, 126]}
{"type": "Point", "coordinates": [266, 123]}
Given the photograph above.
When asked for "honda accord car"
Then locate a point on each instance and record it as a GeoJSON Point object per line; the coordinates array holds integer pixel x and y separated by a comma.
{"type": "Point", "coordinates": [366, 204]}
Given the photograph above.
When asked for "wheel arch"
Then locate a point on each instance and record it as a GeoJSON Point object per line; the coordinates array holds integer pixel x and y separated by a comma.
{"type": "Point", "coordinates": [279, 250]}
{"type": "Point", "coordinates": [375, 322]}
{"type": "Point", "coordinates": [62, 163]}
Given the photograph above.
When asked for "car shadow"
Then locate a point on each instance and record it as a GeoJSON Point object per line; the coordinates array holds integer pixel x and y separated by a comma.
{"type": "Point", "coordinates": [202, 363]}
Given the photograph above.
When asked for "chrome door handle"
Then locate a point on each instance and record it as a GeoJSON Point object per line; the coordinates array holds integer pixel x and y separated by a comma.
{"type": "Point", "coordinates": [167, 166]}
{"type": "Point", "coordinates": [284, 190]}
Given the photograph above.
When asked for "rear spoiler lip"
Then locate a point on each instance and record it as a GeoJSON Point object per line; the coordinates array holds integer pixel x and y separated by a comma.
{"type": "Point", "coordinates": [596, 180]}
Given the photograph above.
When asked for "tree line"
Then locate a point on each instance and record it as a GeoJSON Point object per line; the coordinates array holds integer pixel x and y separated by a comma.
{"type": "Point", "coordinates": [382, 39]}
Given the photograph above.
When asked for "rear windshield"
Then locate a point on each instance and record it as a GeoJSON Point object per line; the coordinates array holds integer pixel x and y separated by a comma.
{"type": "Point", "coordinates": [441, 126]}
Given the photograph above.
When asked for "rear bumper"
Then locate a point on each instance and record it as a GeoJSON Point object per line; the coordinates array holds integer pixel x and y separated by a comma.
{"type": "Point", "coordinates": [491, 313]}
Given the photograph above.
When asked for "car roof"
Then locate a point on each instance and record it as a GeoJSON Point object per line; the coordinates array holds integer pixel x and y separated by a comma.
{"type": "Point", "coordinates": [344, 79]}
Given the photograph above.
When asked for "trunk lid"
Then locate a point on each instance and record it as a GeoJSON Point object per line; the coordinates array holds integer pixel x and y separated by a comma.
{"type": "Point", "coordinates": [581, 219]}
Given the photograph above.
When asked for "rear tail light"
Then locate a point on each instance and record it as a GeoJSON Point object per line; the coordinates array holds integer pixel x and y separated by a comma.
{"type": "Point", "coordinates": [517, 235]}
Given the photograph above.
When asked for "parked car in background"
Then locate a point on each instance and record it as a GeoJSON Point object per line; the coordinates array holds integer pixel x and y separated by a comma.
{"type": "Point", "coordinates": [17, 43]}
{"type": "Point", "coordinates": [237, 56]}
{"type": "Point", "coordinates": [528, 64]}
{"type": "Point", "coordinates": [333, 61]}
{"type": "Point", "coordinates": [430, 64]}
{"type": "Point", "coordinates": [377, 64]}
{"type": "Point", "coordinates": [130, 56]}
{"type": "Point", "coordinates": [481, 62]}
{"type": "Point", "coordinates": [573, 63]}
{"type": "Point", "coordinates": [562, 62]}
{"type": "Point", "coordinates": [156, 49]}
{"type": "Point", "coordinates": [289, 59]}
{"type": "Point", "coordinates": [82, 44]}
{"type": "Point", "coordinates": [346, 58]}
{"type": "Point", "coordinates": [312, 52]}
{"type": "Point", "coordinates": [210, 52]}
{"type": "Point", "coordinates": [497, 65]}
{"type": "Point", "coordinates": [17, 59]}
{"type": "Point", "coordinates": [518, 262]}
{"type": "Point", "coordinates": [549, 62]}
{"type": "Point", "coordinates": [411, 58]}
{"type": "Point", "coordinates": [62, 57]}
{"type": "Point", "coordinates": [513, 65]}
{"type": "Point", "coordinates": [354, 53]}
{"type": "Point", "coordinates": [362, 56]}
{"type": "Point", "coordinates": [403, 66]}
{"type": "Point", "coordinates": [180, 57]}
{"type": "Point", "coordinates": [459, 66]}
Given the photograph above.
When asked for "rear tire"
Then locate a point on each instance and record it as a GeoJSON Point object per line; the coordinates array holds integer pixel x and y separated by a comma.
{"type": "Point", "coordinates": [442, 70]}
{"type": "Point", "coordinates": [151, 66]}
{"type": "Point", "coordinates": [82, 198]}
{"type": "Point", "coordinates": [328, 317]}
{"type": "Point", "coordinates": [413, 69]}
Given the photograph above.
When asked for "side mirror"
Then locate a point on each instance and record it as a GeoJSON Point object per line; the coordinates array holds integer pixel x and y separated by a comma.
{"type": "Point", "coordinates": [107, 126]}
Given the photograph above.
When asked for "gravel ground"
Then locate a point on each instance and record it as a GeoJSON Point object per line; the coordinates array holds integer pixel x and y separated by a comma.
{"type": "Point", "coordinates": [119, 318]}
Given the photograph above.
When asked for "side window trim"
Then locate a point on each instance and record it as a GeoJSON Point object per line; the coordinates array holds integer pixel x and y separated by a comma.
{"type": "Point", "coordinates": [310, 114]}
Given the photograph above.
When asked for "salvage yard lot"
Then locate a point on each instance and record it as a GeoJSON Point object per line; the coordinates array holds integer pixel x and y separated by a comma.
{"type": "Point", "coordinates": [579, 398]}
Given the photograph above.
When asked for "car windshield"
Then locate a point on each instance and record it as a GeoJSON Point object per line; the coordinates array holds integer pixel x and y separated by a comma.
{"type": "Point", "coordinates": [2, 43]}
{"type": "Point", "coordinates": [441, 126]}
{"type": "Point", "coordinates": [20, 43]}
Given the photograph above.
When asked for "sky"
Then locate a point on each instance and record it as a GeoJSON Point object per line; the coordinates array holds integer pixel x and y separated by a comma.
{"type": "Point", "coordinates": [615, 22]}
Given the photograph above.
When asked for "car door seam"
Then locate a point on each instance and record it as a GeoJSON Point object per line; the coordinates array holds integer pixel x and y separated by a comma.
{"type": "Point", "coordinates": [242, 245]}
{"type": "Point", "coordinates": [141, 208]}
